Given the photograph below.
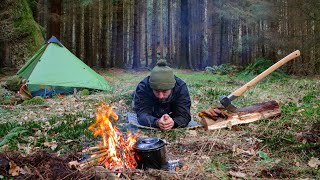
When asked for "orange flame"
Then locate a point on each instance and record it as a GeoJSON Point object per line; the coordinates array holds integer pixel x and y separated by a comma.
{"type": "Point", "coordinates": [119, 148]}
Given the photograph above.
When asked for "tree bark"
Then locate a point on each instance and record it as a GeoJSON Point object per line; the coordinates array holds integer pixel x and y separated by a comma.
{"type": "Point", "coordinates": [55, 18]}
{"type": "Point", "coordinates": [184, 44]}
{"type": "Point", "coordinates": [169, 47]}
{"type": "Point", "coordinates": [78, 31]}
{"type": "Point", "coordinates": [146, 32]}
{"type": "Point", "coordinates": [136, 36]}
{"type": "Point", "coordinates": [161, 29]}
{"type": "Point", "coordinates": [103, 37]}
{"type": "Point", "coordinates": [119, 61]}
{"type": "Point", "coordinates": [87, 38]}
{"type": "Point", "coordinates": [154, 37]}
{"type": "Point", "coordinates": [68, 23]}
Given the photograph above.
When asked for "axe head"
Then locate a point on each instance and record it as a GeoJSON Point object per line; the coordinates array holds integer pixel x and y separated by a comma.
{"type": "Point", "coordinates": [226, 103]}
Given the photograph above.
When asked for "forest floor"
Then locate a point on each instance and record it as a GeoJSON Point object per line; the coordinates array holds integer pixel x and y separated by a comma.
{"type": "Point", "coordinates": [38, 141]}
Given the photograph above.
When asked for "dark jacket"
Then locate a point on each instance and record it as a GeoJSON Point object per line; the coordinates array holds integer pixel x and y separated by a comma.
{"type": "Point", "coordinates": [149, 108]}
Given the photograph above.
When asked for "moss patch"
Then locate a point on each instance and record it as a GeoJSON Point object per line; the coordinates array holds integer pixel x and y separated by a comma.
{"type": "Point", "coordinates": [18, 24]}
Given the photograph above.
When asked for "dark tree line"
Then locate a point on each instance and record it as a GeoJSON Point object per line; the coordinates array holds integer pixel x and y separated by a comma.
{"type": "Point", "coordinates": [190, 34]}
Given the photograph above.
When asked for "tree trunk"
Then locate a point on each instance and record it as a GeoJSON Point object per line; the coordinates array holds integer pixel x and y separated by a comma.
{"type": "Point", "coordinates": [69, 11]}
{"type": "Point", "coordinates": [55, 18]}
{"type": "Point", "coordinates": [146, 32]}
{"type": "Point", "coordinates": [161, 29]}
{"type": "Point", "coordinates": [169, 47]}
{"type": "Point", "coordinates": [95, 32]}
{"type": "Point", "coordinates": [202, 34]}
{"type": "Point", "coordinates": [103, 37]}
{"type": "Point", "coordinates": [87, 38]}
{"type": "Point", "coordinates": [136, 36]}
{"type": "Point", "coordinates": [113, 35]}
{"type": "Point", "coordinates": [184, 44]}
{"type": "Point", "coordinates": [131, 34]}
{"type": "Point", "coordinates": [119, 61]}
{"type": "Point", "coordinates": [42, 14]}
{"type": "Point", "coordinates": [223, 43]}
{"type": "Point", "coordinates": [126, 20]}
{"type": "Point", "coordinates": [78, 31]}
{"type": "Point", "coordinates": [154, 37]}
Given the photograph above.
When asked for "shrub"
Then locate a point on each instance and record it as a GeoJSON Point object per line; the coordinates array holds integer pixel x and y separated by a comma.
{"type": "Point", "coordinates": [13, 83]}
{"type": "Point", "coordinates": [34, 101]}
{"type": "Point", "coordinates": [261, 65]}
{"type": "Point", "coordinates": [221, 69]}
{"type": "Point", "coordinates": [85, 92]}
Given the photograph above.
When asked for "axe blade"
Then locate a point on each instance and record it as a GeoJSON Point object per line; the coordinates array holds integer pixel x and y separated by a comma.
{"type": "Point", "coordinates": [226, 103]}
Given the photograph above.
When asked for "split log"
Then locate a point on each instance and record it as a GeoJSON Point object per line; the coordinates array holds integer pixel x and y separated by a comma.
{"type": "Point", "coordinates": [243, 115]}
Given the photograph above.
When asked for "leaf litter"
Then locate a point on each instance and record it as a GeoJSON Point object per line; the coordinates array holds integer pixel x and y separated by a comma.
{"type": "Point", "coordinates": [205, 154]}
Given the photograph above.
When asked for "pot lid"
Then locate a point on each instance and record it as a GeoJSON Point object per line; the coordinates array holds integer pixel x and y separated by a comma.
{"type": "Point", "coordinates": [149, 143]}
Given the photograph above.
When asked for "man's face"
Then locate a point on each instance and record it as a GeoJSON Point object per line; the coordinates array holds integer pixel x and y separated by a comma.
{"type": "Point", "coordinates": [162, 95]}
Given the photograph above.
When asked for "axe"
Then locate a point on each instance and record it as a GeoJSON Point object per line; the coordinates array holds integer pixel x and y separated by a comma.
{"type": "Point", "coordinates": [226, 100]}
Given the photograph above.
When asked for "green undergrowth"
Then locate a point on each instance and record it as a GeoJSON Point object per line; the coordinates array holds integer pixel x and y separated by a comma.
{"type": "Point", "coordinates": [69, 132]}
{"type": "Point", "coordinates": [34, 101]}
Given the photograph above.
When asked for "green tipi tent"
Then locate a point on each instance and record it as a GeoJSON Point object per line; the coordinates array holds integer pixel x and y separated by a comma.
{"type": "Point", "coordinates": [54, 69]}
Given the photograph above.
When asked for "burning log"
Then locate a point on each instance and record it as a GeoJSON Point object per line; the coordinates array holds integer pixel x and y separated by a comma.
{"type": "Point", "coordinates": [95, 160]}
{"type": "Point", "coordinates": [116, 150]}
{"type": "Point", "coordinates": [95, 148]}
{"type": "Point", "coordinates": [243, 115]}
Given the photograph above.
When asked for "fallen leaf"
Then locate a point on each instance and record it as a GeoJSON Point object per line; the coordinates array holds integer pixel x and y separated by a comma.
{"type": "Point", "coordinates": [14, 169]}
{"type": "Point", "coordinates": [74, 165]}
{"type": "Point", "coordinates": [53, 145]}
{"type": "Point", "coordinates": [314, 162]}
{"type": "Point", "coordinates": [27, 170]}
{"type": "Point", "coordinates": [192, 132]}
{"type": "Point", "coordinates": [237, 174]}
{"type": "Point", "coordinates": [237, 151]}
{"type": "Point", "coordinates": [69, 141]}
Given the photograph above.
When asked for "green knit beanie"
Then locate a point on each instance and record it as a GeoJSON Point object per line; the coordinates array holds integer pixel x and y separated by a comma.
{"type": "Point", "coordinates": [162, 77]}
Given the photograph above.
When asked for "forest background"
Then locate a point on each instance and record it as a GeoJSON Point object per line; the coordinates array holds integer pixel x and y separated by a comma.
{"type": "Point", "coordinates": [123, 39]}
{"type": "Point", "coordinates": [189, 34]}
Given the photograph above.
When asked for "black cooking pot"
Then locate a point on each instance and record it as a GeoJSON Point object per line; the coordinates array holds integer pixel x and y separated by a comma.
{"type": "Point", "coordinates": [150, 153]}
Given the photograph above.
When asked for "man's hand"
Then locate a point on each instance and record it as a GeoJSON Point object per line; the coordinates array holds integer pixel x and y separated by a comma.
{"type": "Point", "coordinates": [165, 122]}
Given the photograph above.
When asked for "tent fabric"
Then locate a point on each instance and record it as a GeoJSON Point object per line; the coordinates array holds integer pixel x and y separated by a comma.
{"type": "Point", "coordinates": [55, 66]}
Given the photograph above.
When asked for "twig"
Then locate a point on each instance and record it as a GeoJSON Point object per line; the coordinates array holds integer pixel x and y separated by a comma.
{"type": "Point", "coordinates": [252, 157]}
{"type": "Point", "coordinates": [93, 160]}
{"type": "Point", "coordinates": [75, 94]}
{"type": "Point", "coordinates": [38, 173]}
{"type": "Point", "coordinates": [97, 152]}
{"type": "Point", "coordinates": [69, 174]}
{"type": "Point", "coordinates": [87, 177]}
{"type": "Point", "coordinates": [98, 156]}
{"type": "Point", "coordinates": [95, 148]}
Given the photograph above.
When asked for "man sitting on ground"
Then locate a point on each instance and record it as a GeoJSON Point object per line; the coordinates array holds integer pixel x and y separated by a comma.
{"type": "Point", "coordinates": [162, 100]}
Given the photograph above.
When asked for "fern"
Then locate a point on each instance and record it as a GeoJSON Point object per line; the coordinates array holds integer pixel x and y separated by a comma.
{"type": "Point", "coordinates": [259, 66]}
{"type": "Point", "coordinates": [12, 134]}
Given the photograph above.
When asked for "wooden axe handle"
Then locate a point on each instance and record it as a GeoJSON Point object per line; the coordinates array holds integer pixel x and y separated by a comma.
{"type": "Point", "coordinates": [265, 73]}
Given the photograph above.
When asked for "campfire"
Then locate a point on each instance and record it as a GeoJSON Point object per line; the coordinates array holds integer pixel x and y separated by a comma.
{"type": "Point", "coordinates": [115, 152]}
